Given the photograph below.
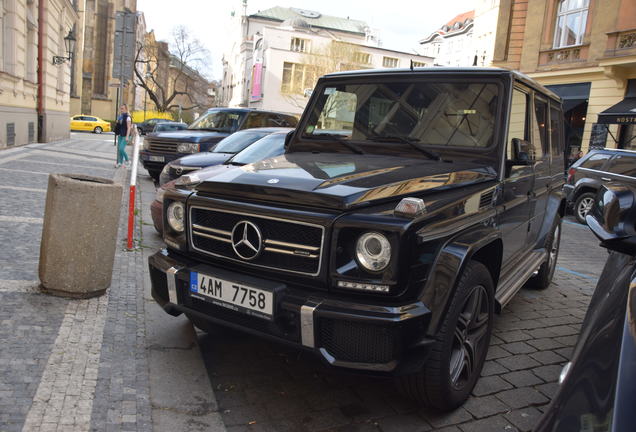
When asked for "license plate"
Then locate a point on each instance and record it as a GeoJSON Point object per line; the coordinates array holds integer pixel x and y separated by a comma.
{"type": "Point", "coordinates": [238, 297]}
{"type": "Point", "coordinates": [156, 158]}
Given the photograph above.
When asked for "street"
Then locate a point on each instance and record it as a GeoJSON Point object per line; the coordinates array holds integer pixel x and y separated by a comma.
{"type": "Point", "coordinates": [120, 361]}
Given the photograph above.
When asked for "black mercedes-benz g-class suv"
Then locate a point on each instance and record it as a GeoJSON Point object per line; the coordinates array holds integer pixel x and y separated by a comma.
{"type": "Point", "coordinates": [203, 134]}
{"type": "Point", "coordinates": [408, 208]}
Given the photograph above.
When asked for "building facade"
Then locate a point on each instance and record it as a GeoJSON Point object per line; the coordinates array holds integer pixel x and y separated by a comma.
{"type": "Point", "coordinates": [277, 55]}
{"type": "Point", "coordinates": [94, 90]}
{"type": "Point", "coordinates": [585, 51]}
{"type": "Point", "coordinates": [34, 92]}
{"type": "Point", "coordinates": [452, 43]}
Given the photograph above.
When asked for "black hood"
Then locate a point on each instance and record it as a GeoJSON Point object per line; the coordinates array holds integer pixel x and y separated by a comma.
{"type": "Point", "coordinates": [189, 135]}
{"type": "Point", "coordinates": [204, 159]}
{"type": "Point", "coordinates": [341, 181]}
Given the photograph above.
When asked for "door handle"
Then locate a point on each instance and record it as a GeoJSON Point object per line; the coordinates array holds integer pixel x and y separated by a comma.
{"type": "Point", "coordinates": [606, 179]}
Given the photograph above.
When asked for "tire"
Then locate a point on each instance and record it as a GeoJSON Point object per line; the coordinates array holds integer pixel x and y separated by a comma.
{"type": "Point", "coordinates": [98, 130]}
{"type": "Point", "coordinates": [455, 361]}
{"type": "Point", "coordinates": [543, 278]}
{"type": "Point", "coordinates": [583, 205]}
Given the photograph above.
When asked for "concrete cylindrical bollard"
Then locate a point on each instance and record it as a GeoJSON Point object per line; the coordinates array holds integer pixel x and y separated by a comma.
{"type": "Point", "coordinates": [79, 235]}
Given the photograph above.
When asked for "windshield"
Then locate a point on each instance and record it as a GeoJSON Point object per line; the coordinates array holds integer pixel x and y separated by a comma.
{"type": "Point", "coordinates": [269, 146]}
{"type": "Point", "coordinates": [222, 121]}
{"type": "Point", "coordinates": [238, 141]}
{"type": "Point", "coordinates": [426, 113]}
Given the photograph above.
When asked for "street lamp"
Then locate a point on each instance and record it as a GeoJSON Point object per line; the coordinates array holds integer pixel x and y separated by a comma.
{"type": "Point", "coordinates": [69, 42]}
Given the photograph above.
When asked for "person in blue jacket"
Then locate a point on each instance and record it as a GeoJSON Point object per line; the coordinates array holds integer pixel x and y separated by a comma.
{"type": "Point", "coordinates": [123, 129]}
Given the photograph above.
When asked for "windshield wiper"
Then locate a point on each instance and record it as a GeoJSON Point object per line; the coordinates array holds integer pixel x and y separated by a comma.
{"type": "Point", "coordinates": [340, 139]}
{"type": "Point", "coordinates": [406, 140]}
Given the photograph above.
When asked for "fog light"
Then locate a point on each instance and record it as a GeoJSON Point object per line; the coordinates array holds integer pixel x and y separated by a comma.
{"type": "Point", "coordinates": [410, 207]}
{"type": "Point", "coordinates": [364, 286]}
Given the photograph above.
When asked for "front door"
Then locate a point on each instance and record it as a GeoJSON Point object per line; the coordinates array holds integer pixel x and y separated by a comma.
{"type": "Point", "coordinates": [518, 182]}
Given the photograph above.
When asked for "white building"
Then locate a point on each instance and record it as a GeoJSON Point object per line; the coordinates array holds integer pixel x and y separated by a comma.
{"type": "Point", "coordinates": [466, 40]}
{"type": "Point", "coordinates": [452, 43]}
{"type": "Point", "coordinates": [278, 54]}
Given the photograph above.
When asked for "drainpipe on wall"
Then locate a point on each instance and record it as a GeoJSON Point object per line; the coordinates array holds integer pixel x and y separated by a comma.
{"type": "Point", "coordinates": [41, 36]}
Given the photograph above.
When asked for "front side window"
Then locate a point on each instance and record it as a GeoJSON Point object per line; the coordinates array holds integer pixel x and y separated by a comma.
{"type": "Point", "coordinates": [570, 23]}
{"type": "Point", "coordinates": [218, 121]}
{"type": "Point", "coordinates": [518, 126]}
{"type": "Point", "coordinates": [427, 113]}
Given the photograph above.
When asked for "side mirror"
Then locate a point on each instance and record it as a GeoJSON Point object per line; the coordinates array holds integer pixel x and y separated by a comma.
{"type": "Point", "coordinates": [288, 138]}
{"type": "Point", "coordinates": [613, 218]}
{"type": "Point", "coordinates": [521, 152]}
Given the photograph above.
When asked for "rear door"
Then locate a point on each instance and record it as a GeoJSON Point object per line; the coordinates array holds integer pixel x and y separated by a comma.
{"type": "Point", "coordinates": [541, 185]}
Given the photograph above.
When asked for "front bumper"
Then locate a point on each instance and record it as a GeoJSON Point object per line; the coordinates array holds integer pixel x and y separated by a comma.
{"type": "Point", "coordinates": [154, 161]}
{"type": "Point", "coordinates": [386, 340]}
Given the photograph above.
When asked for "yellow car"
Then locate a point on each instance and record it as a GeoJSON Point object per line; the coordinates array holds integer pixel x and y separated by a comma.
{"type": "Point", "coordinates": [89, 123]}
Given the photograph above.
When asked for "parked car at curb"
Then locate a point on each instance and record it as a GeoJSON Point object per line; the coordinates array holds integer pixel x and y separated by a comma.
{"type": "Point", "coordinates": [89, 123]}
{"type": "Point", "coordinates": [589, 173]}
{"type": "Point", "coordinates": [168, 126]}
{"type": "Point", "coordinates": [205, 133]}
{"type": "Point", "coordinates": [408, 208]}
{"type": "Point", "coordinates": [598, 385]}
{"type": "Point", "coordinates": [222, 152]}
{"type": "Point", "coordinates": [269, 146]}
{"type": "Point", "coordinates": [148, 125]}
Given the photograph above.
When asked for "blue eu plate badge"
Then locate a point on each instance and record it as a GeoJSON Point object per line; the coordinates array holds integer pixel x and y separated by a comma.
{"type": "Point", "coordinates": [194, 282]}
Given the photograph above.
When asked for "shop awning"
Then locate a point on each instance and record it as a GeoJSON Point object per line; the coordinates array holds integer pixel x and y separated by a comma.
{"type": "Point", "coordinates": [623, 112]}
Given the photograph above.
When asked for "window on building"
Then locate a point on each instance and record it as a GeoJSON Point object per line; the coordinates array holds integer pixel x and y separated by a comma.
{"type": "Point", "coordinates": [418, 64]}
{"type": "Point", "coordinates": [60, 48]}
{"type": "Point", "coordinates": [7, 36]}
{"type": "Point", "coordinates": [362, 58]}
{"type": "Point", "coordinates": [570, 23]}
{"type": "Point", "coordinates": [389, 62]}
{"type": "Point", "coordinates": [31, 43]}
{"type": "Point", "coordinates": [296, 78]}
{"type": "Point", "coordinates": [300, 45]}
{"type": "Point", "coordinates": [100, 49]}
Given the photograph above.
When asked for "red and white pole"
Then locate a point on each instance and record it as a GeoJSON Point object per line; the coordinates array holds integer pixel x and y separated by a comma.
{"type": "Point", "coordinates": [133, 185]}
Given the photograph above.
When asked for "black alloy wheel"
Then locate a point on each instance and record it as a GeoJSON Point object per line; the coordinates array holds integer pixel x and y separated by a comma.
{"type": "Point", "coordinates": [97, 130]}
{"type": "Point", "coordinates": [544, 276]}
{"type": "Point", "coordinates": [583, 206]}
{"type": "Point", "coordinates": [468, 342]}
{"type": "Point", "coordinates": [457, 357]}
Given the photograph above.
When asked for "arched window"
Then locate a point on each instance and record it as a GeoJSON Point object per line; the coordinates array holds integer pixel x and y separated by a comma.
{"type": "Point", "coordinates": [570, 23]}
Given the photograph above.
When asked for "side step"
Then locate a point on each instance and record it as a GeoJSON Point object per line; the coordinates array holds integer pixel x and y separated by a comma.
{"type": "Point", "coordinates": [513, 281]}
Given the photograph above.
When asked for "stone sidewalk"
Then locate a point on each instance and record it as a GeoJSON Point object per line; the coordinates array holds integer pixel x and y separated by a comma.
{"type": "Point", "coordinates": [106, 363]}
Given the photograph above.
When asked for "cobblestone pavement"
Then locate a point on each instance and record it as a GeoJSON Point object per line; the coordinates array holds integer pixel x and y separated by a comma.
{"type": "Point", "coordinates": [79, 365]}
{"type": "Point", "coordinates": [263, 386]}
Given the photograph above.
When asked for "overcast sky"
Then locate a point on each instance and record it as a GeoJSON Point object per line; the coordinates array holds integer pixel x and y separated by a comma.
{"type": "Point", "coordinates": [401, 23]}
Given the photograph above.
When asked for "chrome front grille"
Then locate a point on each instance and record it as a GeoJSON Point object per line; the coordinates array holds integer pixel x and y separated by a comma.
{"type": "Point", "coordinates": [162, 147]}
{"type": "Point", "coordinates": [286, 245]}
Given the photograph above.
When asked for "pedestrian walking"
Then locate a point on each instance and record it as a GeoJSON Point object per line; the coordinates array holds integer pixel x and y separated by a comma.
{"type": "Point", "coordinates": [123, 129]}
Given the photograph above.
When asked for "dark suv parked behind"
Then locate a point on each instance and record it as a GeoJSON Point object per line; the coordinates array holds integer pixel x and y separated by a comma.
{"type": "Point", "coordinates": [596, 168]}
{"type": "Point", "coordinates": [409, 207]}
{"type": "Point", "coordinates": [204, 134]}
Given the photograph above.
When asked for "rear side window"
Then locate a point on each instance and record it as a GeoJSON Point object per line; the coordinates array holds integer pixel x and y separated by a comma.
{"type": "Point", "coordinates": [595, 161]}
{"type": "Point", "coordinates": [556, 131]}
{"type": "Point", "coordinates": [624, 165]}
{"type": "Point", "coordinates": [540, 130]}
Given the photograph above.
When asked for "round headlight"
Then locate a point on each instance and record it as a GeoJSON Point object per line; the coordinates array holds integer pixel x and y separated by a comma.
{"type": "Point", "coordinates": [175, 215]}
{"type": "Point", "coordinates": [373, 251]}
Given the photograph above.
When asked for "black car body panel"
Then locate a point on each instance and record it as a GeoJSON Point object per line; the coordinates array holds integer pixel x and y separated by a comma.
{"type": "Point", "coordinates": [452, 191]}
{"type": "Point", "coordinates": [599, 386]}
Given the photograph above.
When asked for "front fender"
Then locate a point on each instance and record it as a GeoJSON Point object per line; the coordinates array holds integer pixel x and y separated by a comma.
{"type": "Point", "coordinates": [451, 261]}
